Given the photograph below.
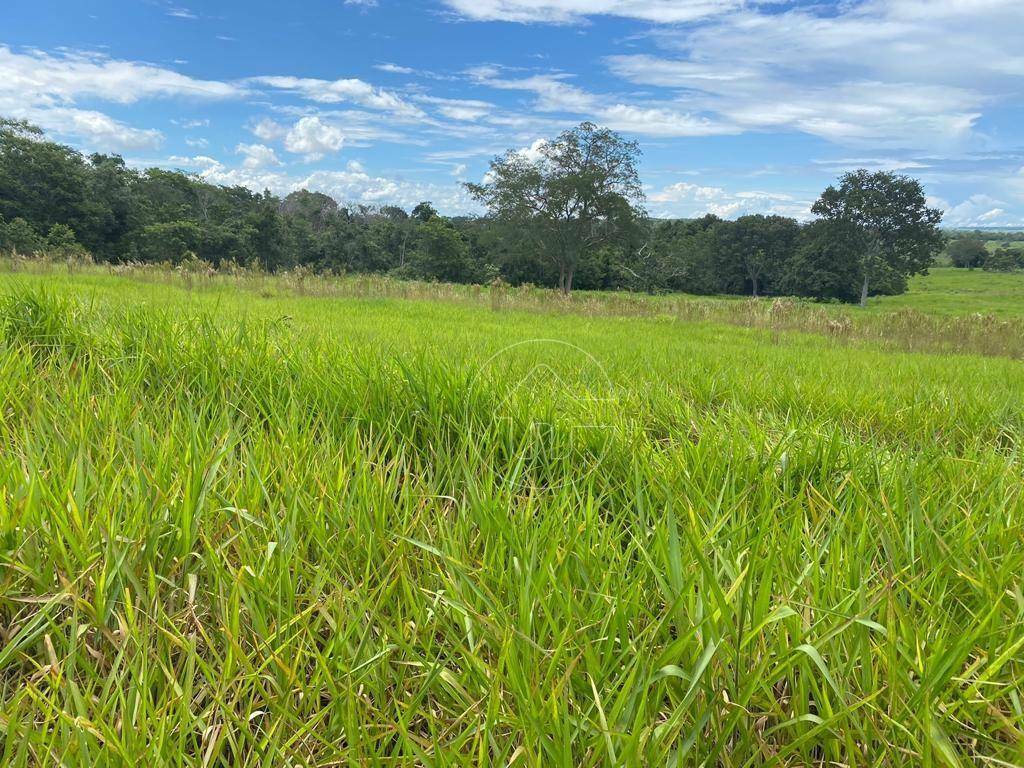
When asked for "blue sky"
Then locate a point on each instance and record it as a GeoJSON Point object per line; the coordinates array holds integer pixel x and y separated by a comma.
{"type": "Point", "coordinates": [740, 106]}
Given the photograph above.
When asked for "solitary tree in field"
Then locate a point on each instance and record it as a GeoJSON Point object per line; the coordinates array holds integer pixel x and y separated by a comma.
{"type": "Point", "coordinates": [580, 193]}
{"type": "Point", "coordinates": [901, 232]}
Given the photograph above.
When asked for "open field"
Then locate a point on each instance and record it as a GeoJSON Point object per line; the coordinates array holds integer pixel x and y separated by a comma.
{"type": "Point", "coordinates": [946, 290]}
{"type": "Point", "coordinates": [948, 310]}
{"type": "Point", "coordinates": [288, 521]}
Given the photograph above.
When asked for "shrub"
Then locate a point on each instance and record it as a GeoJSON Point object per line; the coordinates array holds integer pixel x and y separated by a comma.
{"type": "Point", "coordinates": [18, 236]}
{"type": "Point", "coordinates": [62, 243]}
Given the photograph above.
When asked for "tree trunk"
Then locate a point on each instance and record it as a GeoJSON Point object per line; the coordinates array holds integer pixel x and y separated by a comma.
{"type": "Point", "coordinates": [753, 280]}
{"type": "Point", "coordinates": [568, 281]}
{"type": "Point", "coordinates": [864, 292]}
{"type": "Point", "coordinates": [561, 277]}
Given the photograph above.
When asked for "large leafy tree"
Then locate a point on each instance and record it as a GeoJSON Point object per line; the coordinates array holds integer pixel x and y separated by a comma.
{"type": "Point", "coordinates": [579, 194]}
{"type": "Point", "coordinates": [902, 234]}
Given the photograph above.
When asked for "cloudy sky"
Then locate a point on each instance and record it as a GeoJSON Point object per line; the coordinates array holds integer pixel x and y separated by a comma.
{"type": "Point", "coordinates": [740, 106]}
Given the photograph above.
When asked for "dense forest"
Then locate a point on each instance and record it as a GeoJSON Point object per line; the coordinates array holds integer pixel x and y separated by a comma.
{"type": "Point", "coordinates": [57, 201]}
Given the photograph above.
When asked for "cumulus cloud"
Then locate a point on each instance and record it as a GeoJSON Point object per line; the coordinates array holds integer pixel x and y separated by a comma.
{"type": "Point", "coordinates": [257, 156]}
{"type": "Point", "coordinates": [99, 131]}
{"type": "Point", "coordinates": [686, 200]}
{"type": "Point", "coordinates": [313, 138]}
{"type": "Point", "coordinates": [269, 130]}
{"type": "Point", "coordinates": [534, 152]}
{"type": "Point", "coordinates": [358, 186]}
{"type": "Point", "coordinates": [353, 185]}
{"type": "Point", "coordinates": [978, 210]}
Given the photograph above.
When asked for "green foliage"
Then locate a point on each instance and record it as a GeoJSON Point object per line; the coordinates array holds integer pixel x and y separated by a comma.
{"type": "Point", "coordinates": [967, 252]}
{"type": "Point", "coordinates": [902, 234]}
{"type": "Point", "coordinates": [442, 252]}
{"type": "Point", "coordinates": [753, 252]}
{"type": "Point", "coordinates": [167, 241]}
{"type": "Point", "coordinates": [1005, 260]}
{"type": "Point", "coordinates": [582, 193]}
{"type": "Point", "coordinates": [18, 236]}
{"type": "Point", "coordinates": [61, 242]}
{"type": "Point", "coordinates": [826, 264]}
{"type": "Point", "coordinates": [424, 212]}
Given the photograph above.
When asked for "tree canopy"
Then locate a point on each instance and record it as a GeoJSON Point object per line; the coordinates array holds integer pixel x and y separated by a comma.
{"type": "Point", "coordinates": [582, 192]}
{"type": "Point", "coordinates": [901, 232]}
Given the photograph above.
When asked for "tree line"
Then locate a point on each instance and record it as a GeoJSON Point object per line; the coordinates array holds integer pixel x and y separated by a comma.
{"type": "Point", "coordinates": [572, 217]}
{"type": "Point", "coordinates": [971, 251]}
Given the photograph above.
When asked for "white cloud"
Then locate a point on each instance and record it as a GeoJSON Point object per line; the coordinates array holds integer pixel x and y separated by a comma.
{"type": "Point", "coordinates": [661, 121]}
{"type": "Point", "coordinates": [394, 69]}
{"type": "Point", "coordinates": [686, 200]}
{"type": "Point", "coordinates": [353, 185]}
{"type": "Point", "coordinates": [48, 80]}
{"type": "Point", "coordinates": [871, 164]}
{"type": "Point", "coordinates": [872, 113]}
{"type": "Point", "coordinates": [460, 109]}
{"type": "Point", "coordinates": [554, 94]}
{"type": "Point", "coordinates": [268, 130]}
{"type": "Point", "coordinates": [896, 73]}
{"type": "Point", "coordinates": [257, 156]}
{"type": "Point", "coordinates": [45, 89]}
{"type": "Point", "coordinates": [978, 210]}
{"type": "Point", "coordinates": [350, 90]}
{"type": "Point", "coordinates": [534, 152]}
{"type": "Point", "coordinates": [565, 11]}
{"type": "Point", "coordinates": [97, 130]}
{"type": "Point", "coordinates": [313, 138]}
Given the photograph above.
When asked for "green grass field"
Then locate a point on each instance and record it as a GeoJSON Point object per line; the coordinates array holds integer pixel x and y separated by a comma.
{"type": "Point", "coordinates": [240, 526]}
{"type": "Point", "coordinates": [947, 290]}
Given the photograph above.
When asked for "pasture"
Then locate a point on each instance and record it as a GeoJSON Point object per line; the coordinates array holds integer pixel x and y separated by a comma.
{"type": "Point", "coordinates": [288, 521]}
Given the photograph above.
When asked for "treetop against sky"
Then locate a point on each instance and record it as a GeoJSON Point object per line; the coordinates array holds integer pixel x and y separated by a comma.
{"type": "Point", "coordinates": [739, 106]}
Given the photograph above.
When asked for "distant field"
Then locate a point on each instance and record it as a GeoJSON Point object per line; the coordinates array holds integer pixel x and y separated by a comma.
{"type": "Point", "coordinates": [947, 290]}
{"type": "Point", "coordinates": [285, 521]}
